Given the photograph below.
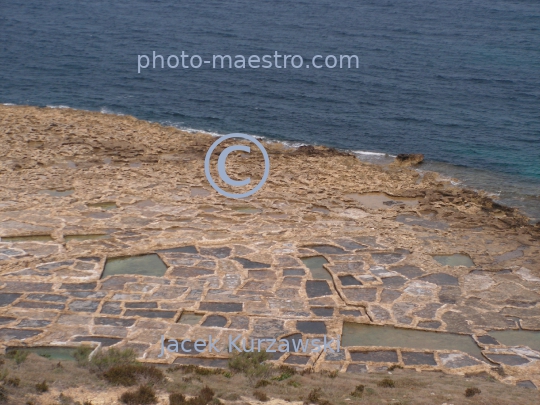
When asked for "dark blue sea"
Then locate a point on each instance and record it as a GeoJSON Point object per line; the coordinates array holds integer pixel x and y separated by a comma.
{"type": "Point", "coordinates": [458, 81]}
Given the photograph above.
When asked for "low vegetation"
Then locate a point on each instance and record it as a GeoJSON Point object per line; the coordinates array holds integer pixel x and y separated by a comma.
{"type": "Point", "coordinates": [260, 396]}
{"type": "Point", "coordinates": [192, 368]}
{"type": "Point", "coordinates": [315, 397]}
{"type": "Point", "coordinates": [18, 355]}
{"type": "Point", "coordinates": [358, 391]}
{"type": "Point", "coordinates": [253, 365]}
{"type": "Point", "coordinates": [131, 374]}
{"type": "Point", "coordinates": [471, 392]}
{"type": "Point", "coordinates": [105, 359]}
{"type": "Point", "coordinates": [386, 383]}
{"type": "Point", "coordinates": [116, 375]}
{"type": "Point", "coordinates": [262, 383]}
{"type": "Point", "coordinates": [285, 372]}
{"type": "Point", "coordinates": [42, 386]}
{"type": "Point", "coordinates": [81, 355]}
{"type": "Point", "coordinates": [205, 397]}
{"type": "Point", "coordinates": [144, 395]}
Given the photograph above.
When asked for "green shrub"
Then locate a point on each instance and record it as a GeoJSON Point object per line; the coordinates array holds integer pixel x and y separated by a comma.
{"type": "Point", "coordinates": [286, 372]}
{"type": "Point", "coordinates": [386, 383]}
{"type": "Point", "coordinates": [471, 392]}
{"type": "Point", "coordinates": [251, 364]}
{"type": "Point", "coordinates": [129, 374]}
{"type": "Point", "coordinates": [144, 395]}
{"type": "Point", "coordinates": [18, 355]}
{"type": "Point", "coordinates": [260, 396]}
{"type": "Point", "coordinates": [42, 386]}
{"type": "Point", "coordinates": [104, 360]}
{"type": "Point", "coordinates": [192, 368]}
{"type": "Point", "coordinates": [81, 355]}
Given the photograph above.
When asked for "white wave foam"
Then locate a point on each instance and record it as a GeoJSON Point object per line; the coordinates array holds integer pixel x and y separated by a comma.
{"type": "Point", "coordinates": [8, 104]}
{"type": "Point", "coordinates": [188, 129]}
{"type": "Point", "coordinates": [59, 106]}
{"type": "Point", "coordinates": [292, 144]}
{"type": "Point", "coordinates": [368, 153]}
{"type": "Point", "coordinates": [105, 110]}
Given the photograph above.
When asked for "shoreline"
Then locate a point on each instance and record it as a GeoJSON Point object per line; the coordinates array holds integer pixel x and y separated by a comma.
{"type": "Point", "coordinates": [445, 170]}
{"type": "Point", "coordinates": [488, 198]}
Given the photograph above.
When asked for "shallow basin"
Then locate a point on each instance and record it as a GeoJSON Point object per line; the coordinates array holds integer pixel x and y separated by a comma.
{"type": "Point", "coordinates": [381, 200]}
{"type": "Point", "coordinates": [56, 193]}
{"type": "Point", "coordinates": [103, 205]}
{"type": "Point", "coordinates": [517, 338]}
{"type": "Point", "coordinates": [199, 192]}
{"type": "Point", "coordinates": [68, 238]}
{"type": "Point", "coordinates": [29, 238]}
{"type": "Point", "coordinates": [315, 265]}
{"type": "Point", "coordinates": [454, 260]}
{"type": "Point", "coordinates": [247, 210]}
{"type": "Point", "coordinates": [145, 265]}
{"type": "Point", "coordinates": [51, 352]}
{"type": "Point", "coordinates": [357, 334]}
{"type": "Point", "coordinates": [189, 318]}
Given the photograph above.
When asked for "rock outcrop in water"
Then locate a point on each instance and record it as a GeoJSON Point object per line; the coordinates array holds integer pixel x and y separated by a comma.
{"type": "Point", "coordinates": [409, 159]}
{"type": "Point", "coordinates": [126, 187]}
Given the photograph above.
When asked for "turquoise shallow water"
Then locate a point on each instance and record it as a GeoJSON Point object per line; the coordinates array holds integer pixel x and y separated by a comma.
{"type": "Point", "coordinates": [457, 81]}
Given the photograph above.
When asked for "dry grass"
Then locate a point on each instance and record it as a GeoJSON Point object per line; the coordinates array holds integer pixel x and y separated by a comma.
{"type": "Point", "coordinates": [131, 374]}
{"type": "Point", "coordinates": [411, 388]}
